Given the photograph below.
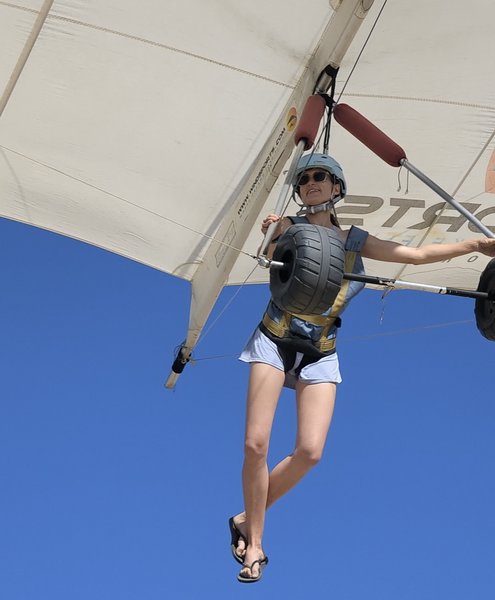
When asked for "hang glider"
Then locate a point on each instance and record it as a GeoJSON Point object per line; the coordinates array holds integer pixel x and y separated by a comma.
{"type": "Point", "coordinates": [160, 131]}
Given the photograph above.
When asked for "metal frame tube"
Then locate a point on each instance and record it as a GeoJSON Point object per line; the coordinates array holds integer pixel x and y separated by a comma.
{"type": "Point", "coordinates": [406, 285]}
{"type": "Point", "coordinates": [447, 197]}
{"type": "Point", "coordinates": [281, 201]}
{"type": "Point", "coordinates": [26, 51]}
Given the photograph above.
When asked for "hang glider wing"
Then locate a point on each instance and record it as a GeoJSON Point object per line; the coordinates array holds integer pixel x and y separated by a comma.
{"type": "Point", "coordinates": [158, 131]}
{"type": "Point", "coordinates": [424, 80]}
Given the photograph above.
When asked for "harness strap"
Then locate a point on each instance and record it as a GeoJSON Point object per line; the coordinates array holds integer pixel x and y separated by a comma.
{"type": "Point", "coordinates": [326, 321]}
{"type": "Point", "coordinates": [277, 329]}
{"type": "Point", "coordinates": [350, 259]}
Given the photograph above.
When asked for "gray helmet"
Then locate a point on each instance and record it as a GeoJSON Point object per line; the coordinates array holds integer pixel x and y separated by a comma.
{"type": "Point", "coordinates": [324, 162]}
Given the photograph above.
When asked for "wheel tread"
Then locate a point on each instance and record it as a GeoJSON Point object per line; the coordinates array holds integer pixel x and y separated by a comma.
{"type": "Point", "coordinates": [317, 266]}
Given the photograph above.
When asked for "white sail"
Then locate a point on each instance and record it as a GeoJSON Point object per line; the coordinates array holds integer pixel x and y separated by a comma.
{"type": "Point", "coordinates": [131, 126]}
{"type": "Point", "coordinates": [157, 130]}
{"type": "Point", "coordinates": [423, 79]}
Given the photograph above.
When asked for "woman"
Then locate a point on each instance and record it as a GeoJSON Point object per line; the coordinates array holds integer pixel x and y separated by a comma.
{"type": "Point", "coordinates": [320, 183]}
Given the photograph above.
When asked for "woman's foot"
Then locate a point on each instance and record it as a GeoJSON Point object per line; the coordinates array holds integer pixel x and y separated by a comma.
{"type": "Point", "coordinates": [238, 543]}
{"type": "Point", "coordinates": [254, 563]}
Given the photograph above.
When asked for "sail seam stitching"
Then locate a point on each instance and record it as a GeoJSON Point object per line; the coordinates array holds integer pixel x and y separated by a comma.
{"type": "Point", "coordinates": [152, 43]}
{"type": "Point", "coordinates": [427, 100]}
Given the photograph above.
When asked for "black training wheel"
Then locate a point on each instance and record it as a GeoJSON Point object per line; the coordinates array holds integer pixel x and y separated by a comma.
{"type": "Point", "coordinates": [484, 310]}
{"type": "Point", "coordinates": [314, 266]}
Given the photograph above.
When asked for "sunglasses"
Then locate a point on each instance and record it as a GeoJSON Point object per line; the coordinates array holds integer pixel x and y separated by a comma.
{"type": "Point", "coordinates": [319, 176]}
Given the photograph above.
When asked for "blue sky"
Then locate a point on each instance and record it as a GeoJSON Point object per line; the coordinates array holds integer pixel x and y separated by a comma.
{"type": "Point", "coordinates": [115, 488]}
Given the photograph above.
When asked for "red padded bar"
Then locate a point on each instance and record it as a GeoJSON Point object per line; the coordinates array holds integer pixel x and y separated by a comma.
{"type": "Point", "coordinates": [369, 135]}
{"type": "Point", "coordinates": [310, 121]}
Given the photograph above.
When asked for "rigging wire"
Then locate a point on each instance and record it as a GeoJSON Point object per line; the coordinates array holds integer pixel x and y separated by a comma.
{"type": "Point", "coordinates": [205, 333]}
{"type": "Point", "coordinates": [362, 50]}
{"type": "Point", "coordinates": [326, 128]}
{"type": "Point", "coordinates": [364, 337]}
{"type": "Point", "coordinates": [325, 131]}
{"type": "Point", "coordinates": [117, 197]}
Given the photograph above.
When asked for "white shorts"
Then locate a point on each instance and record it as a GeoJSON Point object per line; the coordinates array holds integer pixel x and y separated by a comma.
{"type": "Point", "coordinates": [261, 349]}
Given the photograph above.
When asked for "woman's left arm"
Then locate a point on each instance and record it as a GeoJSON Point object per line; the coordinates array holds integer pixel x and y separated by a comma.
{"type": "Point", "coordinates": [392, 252]}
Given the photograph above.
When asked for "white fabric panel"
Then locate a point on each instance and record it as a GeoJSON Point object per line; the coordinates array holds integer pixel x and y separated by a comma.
{"type": "Point", "coordinates": [157, 132]}
{"type": "Point", "coordinates": [132, 122]}
{"type": "Point", "coordinates": [424, 79]}
{"type": "Point", "coordinates": [268, 39]}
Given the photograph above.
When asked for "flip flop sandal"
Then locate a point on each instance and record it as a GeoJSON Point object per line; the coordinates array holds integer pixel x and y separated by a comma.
{"type": "Point", "coordinates": [236, 536]}
{"type": "Point", "coordinates": [262, 563]}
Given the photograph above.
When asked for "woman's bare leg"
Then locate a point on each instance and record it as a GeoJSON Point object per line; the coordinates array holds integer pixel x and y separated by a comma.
{"type": "Point", "coordinates": [265, 385]}
{"type": "Point", "coordinates": [315, 405]}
